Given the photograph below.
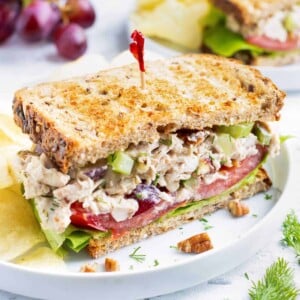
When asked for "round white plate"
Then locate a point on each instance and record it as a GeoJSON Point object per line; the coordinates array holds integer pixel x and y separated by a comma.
{"type": "Point", "coordinates": [165, 269]}
{"type": "Point", "coordinates": [285, 77]}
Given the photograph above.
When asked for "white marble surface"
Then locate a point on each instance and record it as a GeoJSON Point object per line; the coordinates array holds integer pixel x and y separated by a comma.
{"type": "Point", "coordinates": [21, 63]}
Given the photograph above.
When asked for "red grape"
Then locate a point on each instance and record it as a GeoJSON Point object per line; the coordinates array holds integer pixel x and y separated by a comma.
{"type": "Point", "coordinates": [37, 20]}
{"type": "Point", "coordinates": [81, 12]}
{"type": "Point", "coordinates": [70, 40]}
{"type": "Point", "coordinates": [9, 11]}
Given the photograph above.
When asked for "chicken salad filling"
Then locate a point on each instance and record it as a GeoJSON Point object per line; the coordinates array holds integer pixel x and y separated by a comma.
{"type": "Point", "coordinates": [166, 170]}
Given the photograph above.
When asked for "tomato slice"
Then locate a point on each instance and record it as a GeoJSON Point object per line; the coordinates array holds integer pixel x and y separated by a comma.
{"type": "Point", "coordinates": [267, 43]}
{"type": "Point", "coordinates": [103, 222]}
{"type": "Point", "coordinates": [150, 212]}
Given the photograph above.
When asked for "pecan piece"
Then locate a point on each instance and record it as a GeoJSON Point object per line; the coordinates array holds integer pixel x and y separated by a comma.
{"type": "Point", "coordinates": [88, 268]}
{"type": "Point", "coordinates": [196, 244]}
{"type": "Point", "coordinates": [238, 209]}
{"type": "Point", "coordinates": [111, 265]}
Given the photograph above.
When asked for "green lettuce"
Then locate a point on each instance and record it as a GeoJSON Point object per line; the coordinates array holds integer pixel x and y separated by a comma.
{"type": "Point", "coordinates": [72, 238]}
{"type": "Point", "coordinates": [224, 42]}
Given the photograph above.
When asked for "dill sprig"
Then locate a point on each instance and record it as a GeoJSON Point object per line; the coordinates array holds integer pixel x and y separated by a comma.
{"type": "Point", "coordinates": [278, 283]}
{"type": "Point", "coordinates": [291, 232]}
{"type": "Point", "coordinates": [137, 257]}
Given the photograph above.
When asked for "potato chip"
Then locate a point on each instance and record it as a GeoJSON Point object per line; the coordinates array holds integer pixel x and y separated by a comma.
{"type": "Point", "coordinates": [176, 21]}
{"type": "Point", "coordinates": [4, 139]}
{"type": "Point", "coordinates": [6, 179]}
{"type": "Point", "coordinates": [42, 258]}
{"type": "Point", "coordinates": [9, 131]}
{"type": "Point", "coordinates": [9, 166]}
{"type": "Point", "coordinates": [19, 230]}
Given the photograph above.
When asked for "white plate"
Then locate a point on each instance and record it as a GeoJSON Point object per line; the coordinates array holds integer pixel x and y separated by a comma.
{"type": "Point", "coordinates": [235, 240]}
{"type": "Point", "coordinates": [286, 77]}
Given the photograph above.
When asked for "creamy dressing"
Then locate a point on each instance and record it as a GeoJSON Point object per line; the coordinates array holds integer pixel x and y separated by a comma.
{"type": "Point", "coordinates": [168, 163]}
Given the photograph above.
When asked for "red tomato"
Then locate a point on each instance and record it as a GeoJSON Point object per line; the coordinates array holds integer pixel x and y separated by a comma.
{"type": "Point", "coordinates": [274, 45]}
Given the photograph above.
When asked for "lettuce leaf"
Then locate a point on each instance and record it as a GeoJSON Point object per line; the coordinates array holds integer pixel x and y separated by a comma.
{"type": "Point", "coordinates": [73, 238]}
{"type": "Point", "coordinates": [224, 42]}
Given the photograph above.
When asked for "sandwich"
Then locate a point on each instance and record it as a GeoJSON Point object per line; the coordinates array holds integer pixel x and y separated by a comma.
{"type": "Point", "coordinates": [256, 32]}
{"type": "Point", "coordinates": [113, 163]}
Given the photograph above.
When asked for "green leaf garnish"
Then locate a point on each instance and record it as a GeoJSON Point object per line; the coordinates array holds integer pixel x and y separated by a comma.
{"type": "Point", "coordinates": [291, 232]}
{"type": "Point", "coordinates": [173, 247]}
{"type": "Point", "coordinates": [156, 263]}
{"type": "Point", "coordinates": [268, 197]}
{"type": "Point", "coordinates": [278, 283]}
{"type": "Point", "coordinates": [284, 138]}
{"type": "Point", "coordinates": [137, 257]}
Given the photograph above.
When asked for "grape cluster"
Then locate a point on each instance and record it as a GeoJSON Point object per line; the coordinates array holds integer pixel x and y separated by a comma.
{"type": "Point", "coordinates": [38, 20]}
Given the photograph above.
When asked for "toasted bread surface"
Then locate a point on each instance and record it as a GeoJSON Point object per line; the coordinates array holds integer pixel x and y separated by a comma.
{"type": "Point", "coordinates": [249, 12]}
{"type": "Point", "coordinates": [84, 119]}
{"type": "Point", "coordinates": [99, 247]}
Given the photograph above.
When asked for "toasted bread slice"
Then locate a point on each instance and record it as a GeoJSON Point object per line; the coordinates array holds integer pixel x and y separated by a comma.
{"type": "Point", "coordinates": [250, 12]}
{"type": "Point", "coordinates": [84, 119]}
{"type": "Point", "coordinates": [99, 247]}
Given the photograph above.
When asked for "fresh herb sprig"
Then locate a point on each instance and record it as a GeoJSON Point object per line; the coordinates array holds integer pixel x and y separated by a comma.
{"type": "Point", "coordinates": [278, 283]}
{"type": "Point", "coordinates": [291, 233]}
{"type": "Point", "coordinates": [205, 224]}
{"type": "Point", "coordinates": [136, 256]}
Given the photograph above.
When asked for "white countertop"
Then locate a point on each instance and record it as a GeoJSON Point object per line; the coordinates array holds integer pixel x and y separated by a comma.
{"type": "Point", "coordinates": [21, 63]}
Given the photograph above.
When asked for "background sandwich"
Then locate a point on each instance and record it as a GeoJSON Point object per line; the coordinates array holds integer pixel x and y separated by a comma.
{"type": "Point", "coordinates": [256, 32]}
{"type": "Point", "coordinates": [114, 164]}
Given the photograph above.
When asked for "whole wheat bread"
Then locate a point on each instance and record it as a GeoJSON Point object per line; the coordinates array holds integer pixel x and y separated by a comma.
{"type": "Point", "coordinates": [250, 12]}
{"type": "Point", "coordinates": [99, 247]}
{"type": "Point", "coordinates": [84, 119]}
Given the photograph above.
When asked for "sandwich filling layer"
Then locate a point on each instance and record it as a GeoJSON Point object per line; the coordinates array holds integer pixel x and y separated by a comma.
{"type": "Point", "coordinates": [134, 187]}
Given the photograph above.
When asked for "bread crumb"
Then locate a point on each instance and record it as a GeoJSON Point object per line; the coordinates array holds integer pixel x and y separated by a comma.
{"type": "Point", "coordinates": [89, 268]}
{"type": "Point", "coordinates": [111, 265]}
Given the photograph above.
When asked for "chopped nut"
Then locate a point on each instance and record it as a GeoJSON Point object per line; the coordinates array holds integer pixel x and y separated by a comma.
{"type": "Point", "coordinates": [196, 244]}
{"type": "Point", "coordinates": [238, 209]}
{"type": "Point", "coordinates": [88, 268]}
{"type": "Point", "coordinates": [111, 265]}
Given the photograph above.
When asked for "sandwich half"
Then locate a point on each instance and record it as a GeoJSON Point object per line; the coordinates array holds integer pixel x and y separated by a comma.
{"type": "Point", "coordinates": [113, 164]}
{"type": "Point", "coordinates": [256, 32]}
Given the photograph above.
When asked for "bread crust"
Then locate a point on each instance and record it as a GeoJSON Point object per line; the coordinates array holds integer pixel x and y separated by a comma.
{"type": "Point", "coordinates": [250, 12]}
{"type": "Point", "coordinates": [84, 119]}
{"type": "Point", "coordinates": [99, 247]}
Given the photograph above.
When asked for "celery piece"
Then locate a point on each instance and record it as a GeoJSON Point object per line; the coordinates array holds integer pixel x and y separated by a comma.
{"type": "Point", "coordinates": [121, 163]}
{"type": "Point", "coordinates": [190, 183]}
{"type": "Point", "coordinates": [263, 136]}
{"type": "Point", "coordinates": [237, 131]}
{"type": "Point", "coordinates": [223, 141]}
{"type": "Point", "coordinates": [289, 23]}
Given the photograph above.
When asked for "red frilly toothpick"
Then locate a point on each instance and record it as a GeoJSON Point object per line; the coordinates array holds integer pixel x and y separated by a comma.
{"type": "Point", "coordinates": [137, 50]}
